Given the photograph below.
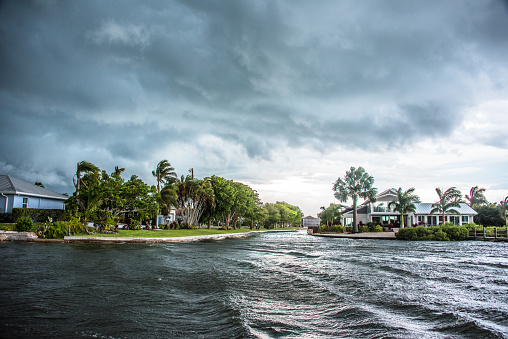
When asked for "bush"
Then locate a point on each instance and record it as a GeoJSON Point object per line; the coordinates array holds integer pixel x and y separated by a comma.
{"type": "Point", "coordinates": [135, 225]}
{"type": "Point", "coordinates": [334, 229]}
{"type": "Point", "coordinates": [24, 224]}
{"type": "Point", "coordinates": [349, 229]}
{"type": "Point", "coordinates": [363, 228]}
{"type": "Point", "coordinates": [372, 226]}
{"type": "Point", "coordinates": [442, 233]}
{"type": "Point", "coordinates": [378, 228]}
{"type": "Point", "coordinates": [36, 214]}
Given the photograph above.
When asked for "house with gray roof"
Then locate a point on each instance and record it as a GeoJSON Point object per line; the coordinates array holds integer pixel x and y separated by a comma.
{"type": "Point", "coordinates": [16, 193]}
{"type": "Point", "coordinates": [379, 212]}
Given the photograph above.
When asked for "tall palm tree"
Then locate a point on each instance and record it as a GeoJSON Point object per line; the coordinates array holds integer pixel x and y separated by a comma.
{"type": "Point", "coordinates": [504, 207]}
{"type": "Point", "coordinates": [447, 201]}
{"type": "Point", "coordinates": [476, 196]}
{"type": "Point", "coordinates": [357, 183]}
{"type": "Point", "coordinates": [404, 203]}
{"type": "Point", "coordinates": [83, 167]}
{"type": "Point", "coordinates": [164, 174]}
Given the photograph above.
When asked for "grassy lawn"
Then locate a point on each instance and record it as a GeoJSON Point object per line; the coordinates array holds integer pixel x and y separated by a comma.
{"type": "Point", "coordinates": [8, 227]}
{"type": "Point", "coordinates": [177, 233]}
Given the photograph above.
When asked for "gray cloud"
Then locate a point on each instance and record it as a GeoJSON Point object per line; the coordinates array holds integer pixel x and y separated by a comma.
{"type": "Point", "coordinates": [122, 80]}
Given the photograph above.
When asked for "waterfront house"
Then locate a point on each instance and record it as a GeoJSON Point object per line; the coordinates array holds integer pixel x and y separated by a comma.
{"type": "Point", "coordinates": [16, 193]}
{"type": "Point", "coordinates": [379, 212]}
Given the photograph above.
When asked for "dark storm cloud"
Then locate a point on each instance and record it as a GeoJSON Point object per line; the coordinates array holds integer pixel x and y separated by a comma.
{"type": "Point", "coordinates": [125, 79]}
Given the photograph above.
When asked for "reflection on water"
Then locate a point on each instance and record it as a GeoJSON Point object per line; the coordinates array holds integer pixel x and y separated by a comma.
{"type": "Point", "coordinates": [265, 286]}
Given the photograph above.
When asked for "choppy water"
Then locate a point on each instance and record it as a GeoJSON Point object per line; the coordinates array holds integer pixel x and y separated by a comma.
{"type": "Point", "coordinates": [283, 285]}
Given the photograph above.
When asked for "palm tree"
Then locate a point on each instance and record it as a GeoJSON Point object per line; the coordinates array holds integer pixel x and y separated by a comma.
{"type": "Point", "coordinates": [83, 167]}
{"type": "Point", "coordinates": [447, 201]}
{"type": "Point", "coordinates": [356, 184]}
{"type": "Point", "coordinates": [164, 174]}
{"type": "Point", "coordinates": [476, 196]}
{"type": "Point", "coordinates": [404, 203]}
{"type": "Point", "coordinates": [504, 207]}
{"type": "Point", "coordinates": [118, 171]}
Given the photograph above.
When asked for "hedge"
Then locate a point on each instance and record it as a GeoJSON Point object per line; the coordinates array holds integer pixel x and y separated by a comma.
{"type": "Point", "coordinates": [36, 214]}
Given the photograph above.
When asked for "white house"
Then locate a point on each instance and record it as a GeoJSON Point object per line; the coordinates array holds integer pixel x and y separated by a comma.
{"type": "Point", "coordinates": [15, 193]}
{"type": "Point", "coordinates": [379, 212]}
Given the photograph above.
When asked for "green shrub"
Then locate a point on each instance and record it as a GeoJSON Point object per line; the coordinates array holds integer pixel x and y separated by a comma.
{"type": "Point", "coordinates": [135, 225]}
{"type": "Point", "coordinates": [442, 233]}
{"type": "Point", "coordinates": [24, 224]}
{"type": "Point", "coordinates": [349, 229]}
{"type": "Point", "coordinates": [339, 228]}
{"type": "Point", "coordinates": [363, 229]}
{"type": "Point", "coordinates": [36, 214]}
{"type": "Point", "coordinates": [378, 228]}
{"type": "Point", "coordinates": [371, 225]}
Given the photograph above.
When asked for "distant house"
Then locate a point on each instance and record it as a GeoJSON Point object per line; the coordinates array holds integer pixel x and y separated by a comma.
{"type": "Point", "coordinates": [379, 212]}
{"type": "Point", "coordinates": [15, 193]}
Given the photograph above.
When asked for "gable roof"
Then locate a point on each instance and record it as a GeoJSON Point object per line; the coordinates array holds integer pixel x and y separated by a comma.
{"type": "Point", "coordinates": [310, 217]}
{"type": "Point", "coordinates": [11, 185]}
{"type": "Point", "coordinates": [426, 207]}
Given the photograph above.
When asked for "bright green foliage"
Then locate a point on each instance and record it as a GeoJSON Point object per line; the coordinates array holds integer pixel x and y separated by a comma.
{"type": "Point", "coordinates": [363, 229]}
{"type": "Point", "coordinates": [333, 228]}
{"type": "Point", "coordinates": [331, 215]}
{"type": "Point", "coordinates": [374, 227]}
{"type": "Point", "coordinates": [357, 183]}
{"type": "Point", "coordinates": [102, 192]}
{"type": "Point", "coordinates": [24, 224]}
{"type": "Point", "coordinates": [442, 233]}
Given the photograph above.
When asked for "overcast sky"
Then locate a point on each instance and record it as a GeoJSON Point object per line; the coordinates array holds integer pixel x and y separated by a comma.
{"type": "Point", "coordinates": [284, 96]}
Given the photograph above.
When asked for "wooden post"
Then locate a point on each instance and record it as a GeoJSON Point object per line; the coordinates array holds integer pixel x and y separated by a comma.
{"type": "Point", "coordinates": [484, 232]}
{"type": "Point", "coordinates": [495, 232]}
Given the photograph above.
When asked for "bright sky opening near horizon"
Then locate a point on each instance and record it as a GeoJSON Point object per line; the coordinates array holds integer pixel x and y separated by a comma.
{"type": "Point", "coordinates": [284, 96]}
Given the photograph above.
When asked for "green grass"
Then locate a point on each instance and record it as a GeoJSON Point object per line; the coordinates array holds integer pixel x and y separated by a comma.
{"type": "Point", "coordinates": [7, 227]}
{"type": "Point", "coordinates": [176, 233]}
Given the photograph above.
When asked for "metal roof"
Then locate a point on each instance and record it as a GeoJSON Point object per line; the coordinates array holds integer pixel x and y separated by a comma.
{"type": "Point", "coordinates": [11, 185]}
{"type": "Point", "coordinates": [425, 208]}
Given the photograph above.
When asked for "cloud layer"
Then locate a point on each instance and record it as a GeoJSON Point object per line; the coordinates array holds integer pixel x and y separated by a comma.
{"type": "Point", "coordinates": [223, 86]}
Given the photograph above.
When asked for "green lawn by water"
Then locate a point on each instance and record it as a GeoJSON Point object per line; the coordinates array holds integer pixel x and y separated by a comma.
{"type": "Point", "coordinates": [178, 233]}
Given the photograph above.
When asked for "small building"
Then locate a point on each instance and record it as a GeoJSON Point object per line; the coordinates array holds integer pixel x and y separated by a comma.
{"type": "Point", "coordinates": [311, 223]}
{"type": "Point", "coordinates": [16, 193]}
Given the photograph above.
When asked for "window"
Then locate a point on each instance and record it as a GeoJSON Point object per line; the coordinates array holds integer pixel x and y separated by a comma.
{"type": "Point", "coordinates": [455, 219]}
{"type": "Point", "coordinates": [421, 219]}
{"type": "Point", "coordinates": [465, 219]}
{"type": "Point", "coordinates": [25, 202]}
{"type": "Point", "coordinates": [432, 219]}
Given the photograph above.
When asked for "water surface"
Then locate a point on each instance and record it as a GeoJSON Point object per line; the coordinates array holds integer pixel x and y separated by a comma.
{"type": "Point", "coordinates": [282, 285]}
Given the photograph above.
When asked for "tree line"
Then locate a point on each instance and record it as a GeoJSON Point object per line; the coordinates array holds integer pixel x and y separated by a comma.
{"type": "Point", "coordinates": [212, 200]}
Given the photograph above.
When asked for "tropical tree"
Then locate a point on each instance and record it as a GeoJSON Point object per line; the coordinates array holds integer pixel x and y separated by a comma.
{"type": "Point", "coordinates": [476, 196]}
{"type": "Point", "coordinates": [357, 183]}
{"type": "Point", "coordinates": [164, 174]}
{"type": "Point", "coordinates": [330, 215]}
{"type": "Point", "coordinates": [82, 168]}
{"type": "Point", "coordinates": [504, 208]}
{"type": "Point", "coordinates": [448, 201]}
{"type": "Point", "coordinates": [404, 203]}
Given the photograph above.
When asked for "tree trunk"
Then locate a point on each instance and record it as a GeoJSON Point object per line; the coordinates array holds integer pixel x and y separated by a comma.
{"type": "Point", "coordinates": [402, 220]}
{"type": "Point", "coordinates": [355, 225]}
